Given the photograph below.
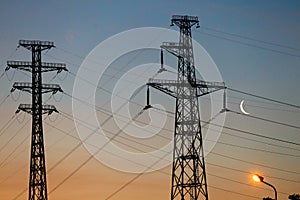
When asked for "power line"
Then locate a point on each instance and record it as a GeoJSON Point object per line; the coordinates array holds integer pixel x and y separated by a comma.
{"type": "Point", "coordinates": [255, 149]}
{"type": "Point", "coordinates": [140, 143]}
{"type": "Point", "coordinates": [90, 157]}
{"type": "Point", "coordinates": [258, 141]}
{"type": "Point", "coordinates": [253, 163]}
{"type": "Point", "coordinates": [233, 192]}
{"type": "Point", "coordinates": [82, 123]}
{"type": "Point", "coordinates": [251, 38]}
{"type": "Point", "coordinates": [109, 92]}
{"type": "Point", "coordinates": [140, 174]}
{"type": "Point", "coordinates": [249, 148]}
{"type": "Point", "coordinates": [279, 153]}
{"type": "Point", "coordinates": [132, 181]}
{"type": "Point", "coordinates": [7, 125]}
{"type": "Point", "coordinates": [267, 120]}
{"type": "Point", "coordinates": [13, 151]}
{"type": "Point", "coordinates": [242, 131]}
{"type": "Point", "coordinates": [257, 135]}
{"type": "Point", "coordinates": [246, 172]}
{"type": "Point", "coordinates": [239, 182]}
{"type": "Point", "coordinates": [13, 136]}
{"type": "Point", "coordinates": [249, 44]}
{"type": "Point", "coordinates": [265, 98]}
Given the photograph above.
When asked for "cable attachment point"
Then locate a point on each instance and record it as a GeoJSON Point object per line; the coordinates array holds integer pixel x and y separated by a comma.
{"type": "Point", "coordinates": [148, 99]}
{"type": "Point", "coordinates": [17, 111]}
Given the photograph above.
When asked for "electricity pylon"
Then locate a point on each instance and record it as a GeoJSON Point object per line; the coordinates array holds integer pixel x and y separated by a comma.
{"type": "Point", "coordinates": [37, 176]}
{"type": "Point", "coordinates": [189, 180]}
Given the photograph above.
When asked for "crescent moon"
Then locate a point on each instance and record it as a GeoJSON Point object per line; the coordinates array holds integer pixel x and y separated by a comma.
{"type": "Point", "coordinates": [242, 108]}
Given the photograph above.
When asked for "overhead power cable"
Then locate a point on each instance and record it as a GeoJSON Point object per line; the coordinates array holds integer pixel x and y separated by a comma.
{"type": "Point", "coordinates": [253, 163]}
{"type": "Point", "coordinates": [249, 44]}
{"type": "Point", "coordinates": [251, 38]}
{"type": "Point", "coordinates": [264, 98]}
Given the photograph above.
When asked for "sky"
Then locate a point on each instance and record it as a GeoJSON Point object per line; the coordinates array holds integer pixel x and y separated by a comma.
{"type": "Point", "coordinates": [255, 45]}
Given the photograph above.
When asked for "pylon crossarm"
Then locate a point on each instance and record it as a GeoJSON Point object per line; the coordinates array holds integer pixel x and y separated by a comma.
{"type": "Point", "coordinates": [46, 109]}
{"type": "Point", "coordinates": [27, 66]}
{"type": "Point", "coordinates": [27, 87]}
{"type": "Point", "coordinates": [29, 44]}
{"type": "Point", "coordinates": [172, 47]}
{"type": "Point", "coordinates": [177, 19]}
{"type": "Point", "coordinates": [206, 87]}
{"type": "Point", "coordinates": [170, 86]}
{"type": "Point", "coordinates": [166, 86]}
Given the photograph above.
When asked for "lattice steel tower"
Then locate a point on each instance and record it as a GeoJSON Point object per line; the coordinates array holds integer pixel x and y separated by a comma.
{"type": "Point", "coordinates": [37, 176]}
{"type": "Point", "coordinates": [189, 180]}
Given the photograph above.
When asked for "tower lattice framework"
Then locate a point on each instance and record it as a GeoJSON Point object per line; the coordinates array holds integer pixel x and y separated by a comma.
{"type": "Point", "coordinates": [189, 181]}
{"type": "Point", "coordinates": [37, 176]}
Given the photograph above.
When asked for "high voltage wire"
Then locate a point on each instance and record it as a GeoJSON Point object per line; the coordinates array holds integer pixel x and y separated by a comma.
{"type": "Point", "coordinates": [258, 141]}
{"type": "Point", "coordinates": [255, 149]}
{"type": "Point", "coordinates": [264, 98]}
{"type": "Point", "coordinates": [78, 169]}
{"type": "Point", "coordinates": [13, 151]}
{"type": "Point", "coordinates": [253, 163]}
{"type": "Point", "coordinates": [88, 126]}
{"type": "Point", "coordinates": [7, 125]}
{"type": "Point", "coordinates": [230, 191]}
{"type": "Point", "coordinates": [257, 135]}
{"type": "Point", "coordinates": [228, 88]}
{"type": "Point", "coordinates": [267, 120]}
{"type": "Point", "coordinates": [249, 44]}
{"type": "Point", "coordinates": [242, 131]}
{"type": "Point", "coordinates": [19, 145]}
{"type": "Point", "coordinates": [130, 181]}
{"type": "Point", "coordinates": [223, 143]}
{"type": "Point", "coordinates": [232, 89]}
{"type": "Point", "coordinates": [250, 38]}
{"type": "Point", "coordinates": [101, 88]}
{"type": "Point", "coordinates": [263, 107]}
{"type": "Point", "coordinates": [256, 106]}
{"type": "Point", "coordinates": [102, 110]}
{"type": "Point", "coordinates": [246, 172]}
{"type": "Point", "coordinates": [239, 182]}
{"type": "Point", "coordinates": [91, 156]}
{"type": "Point", "coordinates": [261, 97]}
{"type": "Point", "coordinates": [14, 135]}
{"type": "Point", "coordinates": [123, 186]}
{"type": "Point", "coordinates": [75, 75]}
{"type": "Point", "coordinates": [140, 174]}
{"type": "Point", "coordinates": [4, 99]}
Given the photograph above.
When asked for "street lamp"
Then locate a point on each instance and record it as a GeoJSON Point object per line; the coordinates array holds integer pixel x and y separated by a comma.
{"type": "Point", "coordinates": [258, 178]}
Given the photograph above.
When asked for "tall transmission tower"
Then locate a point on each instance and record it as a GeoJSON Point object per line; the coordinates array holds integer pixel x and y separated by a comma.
{"type": "Point", "coordinates": [189, 181]}
{"type": "Point", "coordinates": [37, 176]}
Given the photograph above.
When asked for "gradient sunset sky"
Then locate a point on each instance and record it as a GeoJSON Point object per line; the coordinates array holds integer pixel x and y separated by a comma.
{"type": "Point", "coordinates": [256, 46]}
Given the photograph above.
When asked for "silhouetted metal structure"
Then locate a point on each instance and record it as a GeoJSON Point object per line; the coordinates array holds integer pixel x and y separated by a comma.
{"type": "Point", "coordinates": [37, 176]}
{"type": "Point", "coordinates": [189, 180]}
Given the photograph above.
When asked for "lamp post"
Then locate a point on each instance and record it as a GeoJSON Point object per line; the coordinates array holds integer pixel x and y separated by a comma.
{"type": "Point", "coordinates": [258, 178]}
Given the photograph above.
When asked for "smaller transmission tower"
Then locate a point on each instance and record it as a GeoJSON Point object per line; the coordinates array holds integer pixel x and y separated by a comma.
{"type": "Point", "coordinates": [188, 171]}
{"type": "Point", "coordinates": [37, 176]}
